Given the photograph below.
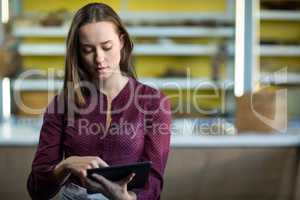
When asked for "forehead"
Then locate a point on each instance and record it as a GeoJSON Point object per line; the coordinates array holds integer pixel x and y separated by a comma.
{"type": "Point", "coordinates": [97, 32]}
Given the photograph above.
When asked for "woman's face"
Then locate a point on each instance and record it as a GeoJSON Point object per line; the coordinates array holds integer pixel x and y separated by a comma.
{"type": "Point", "coordinates": [100, 48]}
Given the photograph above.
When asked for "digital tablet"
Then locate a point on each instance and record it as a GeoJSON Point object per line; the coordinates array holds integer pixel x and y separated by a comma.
{"type": "Point", "coordinates": [118, 172]}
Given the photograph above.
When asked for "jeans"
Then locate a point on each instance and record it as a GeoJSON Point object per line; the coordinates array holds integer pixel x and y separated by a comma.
{"type": "Point", "coordinates": [71, 191]}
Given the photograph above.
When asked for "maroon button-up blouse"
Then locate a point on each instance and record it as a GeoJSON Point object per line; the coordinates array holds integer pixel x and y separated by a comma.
{"type": "Point", "coordinates": [139, 130]}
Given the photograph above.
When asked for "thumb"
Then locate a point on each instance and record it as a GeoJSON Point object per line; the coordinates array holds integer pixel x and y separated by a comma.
{"type": "Point", "coordinates": [82, 175]}
{"type": "Point", "coordinates": [127, 179]}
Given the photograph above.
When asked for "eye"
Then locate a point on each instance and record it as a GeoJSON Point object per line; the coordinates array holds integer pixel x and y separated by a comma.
{"type": "Point", "coordinates": [87, 49]}
{"type": "Point", "coordinates": [107, 48]}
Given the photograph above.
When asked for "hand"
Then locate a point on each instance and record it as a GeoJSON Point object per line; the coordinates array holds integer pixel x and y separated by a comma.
{"type": "Point", "coordinates": [112, 190]}
{"type": "Point", "coordinates": [78, 165]}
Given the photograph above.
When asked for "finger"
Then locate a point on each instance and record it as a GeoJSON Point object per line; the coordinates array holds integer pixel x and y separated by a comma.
{"type": "Point", "coordinates": [107, 185]}
{"type": "Point", "coordinates": [94, 164]}
{"type": "Point", "coordinates": [94, 186]}
{"type": "Point", "coordinates": [101, 162]}
{"type": "Point", "coordinates": [127, 179]}
{"type": "Point", "coordinates": [82, 175]}
{"type": "Point", "coordinates": [83, 170]}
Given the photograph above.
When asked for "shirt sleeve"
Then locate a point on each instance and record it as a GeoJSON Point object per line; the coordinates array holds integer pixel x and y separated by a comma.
{"type": "Point", "coordinates": [40, 183]}
{"type": "Point", "coordinates": [157, 145]}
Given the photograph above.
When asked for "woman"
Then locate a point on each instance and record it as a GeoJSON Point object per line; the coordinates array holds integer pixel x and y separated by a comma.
{"type": "Point", "coordinates": [103, 117]}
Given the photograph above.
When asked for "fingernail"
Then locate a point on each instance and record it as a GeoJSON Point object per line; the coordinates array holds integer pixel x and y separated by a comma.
{"type": "Point", "coordinates": [96, 175]}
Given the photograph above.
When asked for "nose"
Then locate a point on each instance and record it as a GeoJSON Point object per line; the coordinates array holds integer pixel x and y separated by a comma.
{"type": "Point", "coordinates": [99, 57]}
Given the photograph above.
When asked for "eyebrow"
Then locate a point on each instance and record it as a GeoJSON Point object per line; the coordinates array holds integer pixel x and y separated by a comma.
{"type": "Point", "coordinates": [100, 43]}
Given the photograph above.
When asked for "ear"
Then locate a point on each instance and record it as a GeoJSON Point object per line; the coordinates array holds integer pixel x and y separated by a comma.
{"type": "Point", "coordinates": [121, 37]}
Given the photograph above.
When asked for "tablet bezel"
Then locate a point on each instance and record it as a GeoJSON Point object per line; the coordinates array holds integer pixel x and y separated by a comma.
{"type": "Point", "coordinates": [118, 172]}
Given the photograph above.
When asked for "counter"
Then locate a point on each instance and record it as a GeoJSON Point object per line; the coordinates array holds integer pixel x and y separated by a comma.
{"type": "Point", "coordinates": [27, 134]}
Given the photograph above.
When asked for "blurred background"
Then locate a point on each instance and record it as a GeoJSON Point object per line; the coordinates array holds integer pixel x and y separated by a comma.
{"type": "Point", "coordinates": [231, 69]}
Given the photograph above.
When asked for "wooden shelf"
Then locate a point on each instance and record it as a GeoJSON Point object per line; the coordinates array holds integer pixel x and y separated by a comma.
{"type": "Point", "coordinates": [279, 50]}
{"type": "Point", "coordinates": [136, 31]}
{"type": "Point", "coordinates": [148, 16]}
{"type": "Point", "coordinates": [161, 83]}
{"type": "Point", "coordinates": [280, 15]}
{"type": "Point", "coordinates": [280, 79]}
{"type": "Point", "coordinates": [141, 49]}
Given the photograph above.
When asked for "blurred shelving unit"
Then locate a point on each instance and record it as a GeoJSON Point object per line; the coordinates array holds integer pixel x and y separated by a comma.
{"type": "Point", "coordinates": [185, 38]}
{"type": "Point", "coordinates": [280, 48]}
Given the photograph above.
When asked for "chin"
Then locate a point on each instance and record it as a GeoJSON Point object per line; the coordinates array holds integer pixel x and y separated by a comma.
{"type": "Point", "coordinates": [104, 76]}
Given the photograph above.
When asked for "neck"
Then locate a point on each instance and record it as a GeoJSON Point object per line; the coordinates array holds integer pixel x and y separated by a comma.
{"type": "Point", "coordinates": [111, 86]}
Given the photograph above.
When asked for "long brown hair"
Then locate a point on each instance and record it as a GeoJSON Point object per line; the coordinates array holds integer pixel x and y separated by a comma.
{"type": "Point", "coordinates": [75, 72]}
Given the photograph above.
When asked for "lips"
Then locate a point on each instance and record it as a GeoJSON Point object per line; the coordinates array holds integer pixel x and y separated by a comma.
{"type": "Point", "coordinates": [101, 68]}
